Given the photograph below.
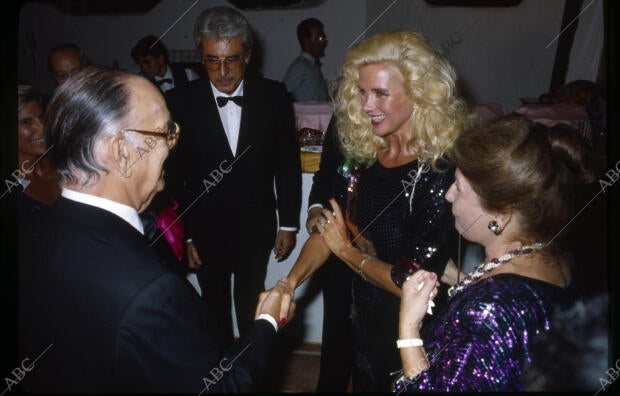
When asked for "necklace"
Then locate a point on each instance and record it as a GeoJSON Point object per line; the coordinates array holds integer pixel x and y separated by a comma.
{"type": "Point", "coordinates": [483, 268]}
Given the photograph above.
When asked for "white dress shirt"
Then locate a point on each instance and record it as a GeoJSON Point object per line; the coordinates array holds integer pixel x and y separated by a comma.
{"type": "Point", "coordinates": [125, 212]}
{"type": "Point", "coordinates": [191, 76]}
{"type": "Point", "coordinates": [230, 114]}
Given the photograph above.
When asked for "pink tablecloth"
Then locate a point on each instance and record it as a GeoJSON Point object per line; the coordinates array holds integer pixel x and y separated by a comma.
{"type": "Point", "coordinates": [570, 114]}
{"type": "Point", "coordinates": [315, 115]}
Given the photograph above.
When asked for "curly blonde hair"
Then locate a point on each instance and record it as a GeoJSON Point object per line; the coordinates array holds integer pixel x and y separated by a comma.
{"type": "Point", "coordinates": [430, 80]}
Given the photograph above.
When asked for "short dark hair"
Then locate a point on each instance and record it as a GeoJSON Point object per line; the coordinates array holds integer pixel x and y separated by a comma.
{"type": "Point", "coordinates": [304, 28]}
{"type": "Point", "coordinates": [89, 105]}
{"type": "Point", "coordinates": [149, 45]}
{"type": "Point", "coordinates": [27, 94]}
{"type": "Point", "coordinates": [64, 47]}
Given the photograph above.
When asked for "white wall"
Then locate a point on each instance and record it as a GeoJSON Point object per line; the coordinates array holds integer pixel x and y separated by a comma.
{"type": "Point", "coordinates": [499, 53]}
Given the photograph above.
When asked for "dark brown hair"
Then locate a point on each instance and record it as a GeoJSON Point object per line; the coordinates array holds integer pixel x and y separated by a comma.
{"type": "Point", "coordinates": [513, 163]}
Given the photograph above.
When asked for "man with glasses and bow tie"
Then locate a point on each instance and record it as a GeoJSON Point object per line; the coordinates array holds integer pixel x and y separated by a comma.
{"type": "Point", "coordinates": [237, 169]}
{"type": "Point", "coordinates": [152, 56]}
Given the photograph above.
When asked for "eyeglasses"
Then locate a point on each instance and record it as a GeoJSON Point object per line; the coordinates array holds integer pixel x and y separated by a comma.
{"type": "Point", "coordinates": [321, 39]}
{"type": "Point", "coordinates": [213, 62]}
{"type": "Point", "coordinates": [171, 135]}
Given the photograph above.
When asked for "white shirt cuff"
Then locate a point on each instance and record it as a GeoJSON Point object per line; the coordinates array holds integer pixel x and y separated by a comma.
{"type": "Point", "coordinates": [317, 205]}
{"type": "Point", "coordinates": [269, 319]}
{"type": "Point", "coordinates": [288, 228]}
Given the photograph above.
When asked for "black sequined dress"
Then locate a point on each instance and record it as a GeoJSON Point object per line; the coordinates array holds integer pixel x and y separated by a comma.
{"type": "Point", "coordinates": [401, 231]}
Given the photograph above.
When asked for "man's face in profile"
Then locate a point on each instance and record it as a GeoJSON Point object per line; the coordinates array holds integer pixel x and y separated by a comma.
{"type": "Point", "coordinates": [64, 63]}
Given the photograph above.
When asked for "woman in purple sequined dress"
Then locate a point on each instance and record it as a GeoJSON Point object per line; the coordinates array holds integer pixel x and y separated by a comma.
{"type": "Point", "coordinates": [512, 194]}
{"type": "Point", "coordinates": [397, 116]}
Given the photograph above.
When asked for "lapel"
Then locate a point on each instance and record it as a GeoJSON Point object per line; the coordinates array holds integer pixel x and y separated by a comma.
{"type": "Point", "coordinates": [215, 134]}
{"type": "Point", "coordinates": [245, 131]}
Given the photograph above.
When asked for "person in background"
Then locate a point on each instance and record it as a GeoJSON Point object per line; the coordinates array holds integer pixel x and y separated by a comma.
{"type": "Point", "coordinates": [303, 78]}
{"type": "Point", "coordinates": [152, 56]}
{"type": "Point", "coordinates": [397, 116]}
{"type": "Point", "coordinates": [65, 60]}
{"type": "Point", "coordinates": [574, 355]}
{"type": "Point", "coordinates": [38, 176]}
{"type": "Point", "coordinates": [513, 194]}
{"type": "Point", "coordinates": [238, 169]}
{"type": "Point", "coordinates": [96, 303]}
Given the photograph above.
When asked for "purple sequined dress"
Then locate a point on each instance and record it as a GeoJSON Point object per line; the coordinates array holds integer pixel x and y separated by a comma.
{"type": "Point", "coordinates": [481, 340]}
{"type": "Point", "coordinates": [400, 231]}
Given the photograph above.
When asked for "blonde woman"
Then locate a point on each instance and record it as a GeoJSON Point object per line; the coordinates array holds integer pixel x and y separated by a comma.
{"type": "Point", "coordinates": [397, 116]}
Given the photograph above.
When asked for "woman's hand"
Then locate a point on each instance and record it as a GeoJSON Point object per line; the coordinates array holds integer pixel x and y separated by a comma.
{"type": "Point", "coordinates": [333, 229]}
{"type": "Point", "coordinates": [417, 291]}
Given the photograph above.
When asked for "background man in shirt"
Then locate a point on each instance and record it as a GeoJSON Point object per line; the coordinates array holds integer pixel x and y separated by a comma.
{"type": "Point", "coordinates": [303, 78]}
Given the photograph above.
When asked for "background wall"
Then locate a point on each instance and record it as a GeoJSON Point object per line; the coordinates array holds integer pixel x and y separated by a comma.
{"type": "Point", "coordinates": [500, 54]}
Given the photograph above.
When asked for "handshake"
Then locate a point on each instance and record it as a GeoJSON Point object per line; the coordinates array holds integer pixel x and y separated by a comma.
{"type": "Point", "coordinates": [277, 302]}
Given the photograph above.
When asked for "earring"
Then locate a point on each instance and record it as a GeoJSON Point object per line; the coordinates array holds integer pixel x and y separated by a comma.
{"type": "Point", "coordinates": [495, 227]}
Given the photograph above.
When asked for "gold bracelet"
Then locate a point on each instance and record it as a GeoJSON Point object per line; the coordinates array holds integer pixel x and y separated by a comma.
{"type": "Point", "coordinates": [361, 267]}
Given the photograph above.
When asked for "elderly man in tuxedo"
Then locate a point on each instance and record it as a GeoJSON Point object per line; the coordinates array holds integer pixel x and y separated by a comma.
{"type": "Point", "coordinates": [238, 143]}
{"type": "Point", "coordinates": [98, 309]}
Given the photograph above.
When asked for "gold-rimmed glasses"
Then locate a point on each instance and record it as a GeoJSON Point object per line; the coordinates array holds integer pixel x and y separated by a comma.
{"type": "Point", "coordinates": [213, 62]}
{"type": "Point", "coordinates": [171, 135]}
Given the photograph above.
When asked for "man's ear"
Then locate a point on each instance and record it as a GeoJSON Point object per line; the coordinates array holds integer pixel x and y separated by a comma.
{"type": "Point", "coordinates": [247, 56]}
{"type": "Point", "coordinates": [121, 155]}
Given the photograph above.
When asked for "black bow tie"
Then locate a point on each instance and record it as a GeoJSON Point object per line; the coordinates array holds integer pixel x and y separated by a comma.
{"type": "Point", "coordinates": [222, 100]}
{"type": "Point", "coordinates": [163, 81]}
{"type": "Point", "coordinates": [317, 62]}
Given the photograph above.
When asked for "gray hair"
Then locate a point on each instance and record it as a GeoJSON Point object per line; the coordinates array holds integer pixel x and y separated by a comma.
{"type": "Point", "coordinates": [222, 23]}
{"type": "Point", "coordinates": [88, 106]}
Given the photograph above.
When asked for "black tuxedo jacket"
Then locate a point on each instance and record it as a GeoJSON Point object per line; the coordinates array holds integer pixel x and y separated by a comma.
{"type": "Point", "coordinates": [236, 191]}
{"type": "Point", "coordinates": [115, 317]}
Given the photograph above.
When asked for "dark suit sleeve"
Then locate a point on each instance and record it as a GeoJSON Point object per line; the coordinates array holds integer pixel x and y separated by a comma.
{"type": "Point", "coordinates": [164, 345]}
{"type": "Point", "coordinates": [175, 166]}
{"type": "Point", "coordinates": [288, 163]}
{"type": "Point", "coordinates": [324, 179]}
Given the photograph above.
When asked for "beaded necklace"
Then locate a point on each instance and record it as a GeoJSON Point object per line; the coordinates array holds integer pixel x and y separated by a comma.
{"type": "Point", "coordinates": [483, 268]}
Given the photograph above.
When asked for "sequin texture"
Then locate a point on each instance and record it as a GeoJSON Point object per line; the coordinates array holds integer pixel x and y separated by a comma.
{"type": "Point", "coordinates": [480, 341]}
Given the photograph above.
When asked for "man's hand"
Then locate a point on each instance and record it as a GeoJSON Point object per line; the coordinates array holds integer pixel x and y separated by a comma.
{"type": "Point", "coordinates": [284, 244]}
{"type": "Point", "coordinates": [193, 259]}
{"type": "Point", "coordinates": [277, 302]}
{"type": "Point", "coordinates": [313, 216]}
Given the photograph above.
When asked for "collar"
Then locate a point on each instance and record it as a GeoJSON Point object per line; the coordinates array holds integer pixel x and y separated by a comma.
{"type": "Point", "coordinates": [167, 74]}
{"type": "Point", "coordinates": [125, 212]}
{"type": "Point", "coordinates": [238, 91]}
{"type": "Point", "coordinates": [307, 56]}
